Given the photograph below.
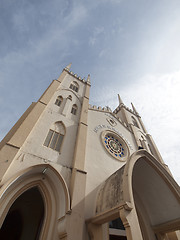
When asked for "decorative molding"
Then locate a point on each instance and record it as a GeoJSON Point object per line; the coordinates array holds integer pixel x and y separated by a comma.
{"type": "Point", "coordinates": [12, 145]}
{"type": "Point", "coordinates": [102, 126]}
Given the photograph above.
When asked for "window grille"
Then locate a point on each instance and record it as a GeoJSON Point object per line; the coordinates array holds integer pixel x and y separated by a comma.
{"type": "Point", "coordinates": [55, 137]}
{"type": "Point", "coordinates": [74, 86]}
{"type": "Point", "coordinates": [59, 100]}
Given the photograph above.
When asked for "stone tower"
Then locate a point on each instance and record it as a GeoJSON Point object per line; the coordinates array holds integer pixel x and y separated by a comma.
{"type": "Point", "coordinates": [74, 171]}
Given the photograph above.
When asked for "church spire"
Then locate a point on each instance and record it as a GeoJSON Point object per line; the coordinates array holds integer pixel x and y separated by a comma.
{"type": "Point", "coordinates": [88, 79]}
{"type": "Point", "coordinates": [134, 109]}
{"type": "Point", "coordinates": [120, 100]}
{"type": "Point", "coordinates": [68, 66]}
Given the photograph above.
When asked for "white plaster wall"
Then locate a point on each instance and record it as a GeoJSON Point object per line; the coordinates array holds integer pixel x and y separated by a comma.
{"type": "Point", "coordinates": [99, 163]}
{"type": "Point", "coordinates": [68, 80]}
{"type": "Point", "coordinates": [129, 117]}
{"type": "Point", "coordinates": [35, 141]}
{"type": "Point", "coordinates": [75, 100]}
{"type": "Point", "coordinates": [121, 116]}
{"type": "Point", "coordinates": [33, 151]}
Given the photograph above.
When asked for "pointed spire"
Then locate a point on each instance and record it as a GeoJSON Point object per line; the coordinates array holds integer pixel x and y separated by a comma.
{"type": "Point", "coordinates": [134, 109]}
{"type": "Point", "coordinates": [88, 79]}
{"type": "Point", "coordinates": [120, 100]}
{"type": "Point", "coordinates": [68, 66]}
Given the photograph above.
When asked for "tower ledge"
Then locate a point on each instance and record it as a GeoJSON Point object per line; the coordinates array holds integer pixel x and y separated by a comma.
{"type": "Point", "coordinates": [77, 76]}
{"type": "Point", "coordinates": [128, 109]}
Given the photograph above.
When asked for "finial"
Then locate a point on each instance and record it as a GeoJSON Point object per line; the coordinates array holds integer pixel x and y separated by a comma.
{"type": "Point", "coordinates": [68, 66]}
{"type": "Point", "coordinates": [134, 109]}
{"type": "Point", "coordinates": [120, 100]}
{"type": "Point", "coordinates": [88, 79]}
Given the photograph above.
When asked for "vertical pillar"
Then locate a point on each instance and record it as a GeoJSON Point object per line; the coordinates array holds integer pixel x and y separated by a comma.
{"type": "Point", "coordinates": [142, 125]}
{"type": "Point", "coordinates": [124, 114]}
{"type": "Point", "coordinates": [78, 178]}
{"type": "Point", "coordinates": [67, 106]}
{"type": "Point", "coordinates": [133, 128]}
{"type": "Point", "coordinates": [130, 222]}
{"type": "Point", "coordinates": [95, 231]}
{"type": "Point", "coordinates": [154, 148]}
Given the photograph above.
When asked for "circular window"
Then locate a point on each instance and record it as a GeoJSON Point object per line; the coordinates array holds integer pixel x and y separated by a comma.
{"type": "Point", "coordinates": [115, 145]}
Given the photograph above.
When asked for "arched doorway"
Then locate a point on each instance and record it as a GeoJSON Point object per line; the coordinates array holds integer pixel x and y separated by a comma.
{"type": "Point", "coordinates": [25, 217]}
{"type": "Point", "coordinates": [50, 188]}
{"type": "Point", "coordinates": [156, 197]}
{"type": "Point", "coordinates": [144, 196]}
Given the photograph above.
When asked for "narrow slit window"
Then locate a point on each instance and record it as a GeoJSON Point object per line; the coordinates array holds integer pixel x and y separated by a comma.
{"type": "Point", "coordinates": [74, 109]}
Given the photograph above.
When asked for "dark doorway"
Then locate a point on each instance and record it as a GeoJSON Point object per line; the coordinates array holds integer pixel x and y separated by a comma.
{"type": "Point", "coordinates": [111, 237]}
{"type": "Point", "coordinates": [25, 217]}
{"type": "Point", "coordinates": [117, 225]}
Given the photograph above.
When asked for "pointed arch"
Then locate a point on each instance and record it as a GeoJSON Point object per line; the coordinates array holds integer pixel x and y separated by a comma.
{"type": "Point", "coordinates": [153, 192]}
{"type": "Point", "coordinates": [25, 217]}
{"type": "Point", "coordinates": [53, 190]}
{"type": "Point", "coordinates": [74, 109]}
{"type": "Point", "coordinates": [69, 97]}
{"type": "Point", "coordinates": [59, 101]}
{"type": "Point", "coordinates": [74, 86]}
{"type": "Point", "coordinates": [143, 194]}
{"type": "Point", "coordinates": [55, 136]}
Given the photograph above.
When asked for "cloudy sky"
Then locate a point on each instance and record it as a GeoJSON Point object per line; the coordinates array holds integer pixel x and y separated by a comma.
{"type": "Point", "coordinates": [130, 47]}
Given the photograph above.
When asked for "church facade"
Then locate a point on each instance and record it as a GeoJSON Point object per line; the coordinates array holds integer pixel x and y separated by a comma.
{"type": "Point", "coordinates": [73, 171]}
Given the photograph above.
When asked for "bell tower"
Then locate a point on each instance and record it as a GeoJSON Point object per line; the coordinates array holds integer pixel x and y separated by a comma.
{"type": "Point", "coordinates": [132, 119]}
{"type": "Point", "coordinates": [52, 132]}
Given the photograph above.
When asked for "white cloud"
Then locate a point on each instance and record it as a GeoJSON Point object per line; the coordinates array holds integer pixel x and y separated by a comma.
{"type": "Point", "coordinates": [96, 35]}
{"type": "Point", "coordinates": [92, 41]}
{"type": "Point", "coordinates": [76, 16]}
{"type": "Point", "coordinates": [19, 22]}
{"type": "Point", "coordinates": [102, 53]}
{"type": "Point", "coordinates": [98, 30]}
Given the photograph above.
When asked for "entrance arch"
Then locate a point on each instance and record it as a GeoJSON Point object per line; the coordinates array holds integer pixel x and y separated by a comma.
{"type": "Point", "coordinates": [25, 217]}
{"type": "Point", "coordinates": [143, 194]}
{"type": "Point", "coordinates": [154, 193]}
{"type": "Point", "coordinates": [49, 187]}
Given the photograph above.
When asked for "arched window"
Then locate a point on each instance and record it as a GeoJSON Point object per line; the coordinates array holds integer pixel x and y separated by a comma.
{"type": "Point", "coordinates": [55, 136]}
{"type": "Point", "coordinates": [74, 86]}
{"type": "Point", "coordinates": [59, 100]}
{"type": "Point", "coordinates": [135, 122]}
{"type": "Point", "coordinates": [74, 109]}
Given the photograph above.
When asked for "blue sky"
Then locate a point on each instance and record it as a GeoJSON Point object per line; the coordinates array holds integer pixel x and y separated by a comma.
{"type": "Point", "coordinates": [130, 47]}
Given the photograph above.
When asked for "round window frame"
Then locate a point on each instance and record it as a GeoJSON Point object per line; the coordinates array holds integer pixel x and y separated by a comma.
{"type": "Point", "coordinates": [121, 141]}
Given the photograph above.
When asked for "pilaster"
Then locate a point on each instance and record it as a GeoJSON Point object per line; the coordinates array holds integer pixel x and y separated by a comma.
{"type": "Point", "coordinates": [78, 178]}
{"type": "Point", "coordinates": [155, 149]}
{"type": "Point", "coordinates": [66, 107]}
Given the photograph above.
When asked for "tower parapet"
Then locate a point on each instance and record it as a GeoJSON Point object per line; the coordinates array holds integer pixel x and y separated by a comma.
{"type": "Point", "coordinates": [67, 69]}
